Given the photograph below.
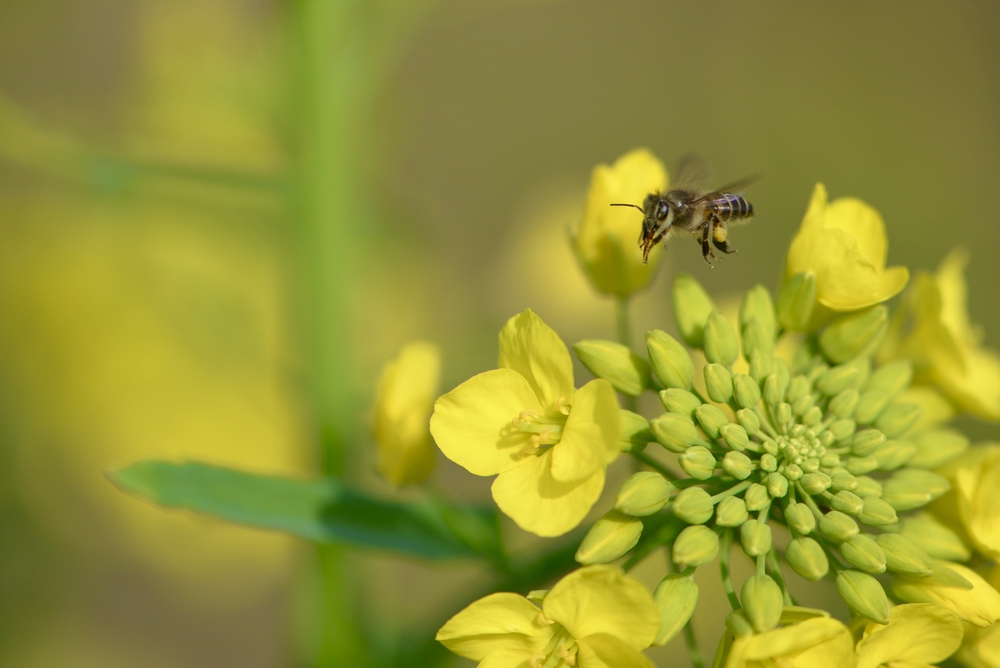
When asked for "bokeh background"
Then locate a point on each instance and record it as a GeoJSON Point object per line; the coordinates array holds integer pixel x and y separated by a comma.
{"type": "Point", "coordinates": [218, 219]}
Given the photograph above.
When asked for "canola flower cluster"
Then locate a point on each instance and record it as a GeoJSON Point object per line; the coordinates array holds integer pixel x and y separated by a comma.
{"type": "Point", "coordinates": [814, 434]}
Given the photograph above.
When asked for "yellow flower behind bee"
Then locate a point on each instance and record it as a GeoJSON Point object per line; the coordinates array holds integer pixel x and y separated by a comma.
{"type": "Point", "coordinates": [976, 481]}
{"type": "Point", "coordinates": [606, 243]}
{"type": "Point", "coordinates": [403, 405]}
{"type": "Point", "coordinates": [918, 635]}
{"type": "Point", "coordinates": [820, 642]}
{"type": "Point", "coordinates": [595, 617]}
{"type": "Point", "coordinates": [548, 443]}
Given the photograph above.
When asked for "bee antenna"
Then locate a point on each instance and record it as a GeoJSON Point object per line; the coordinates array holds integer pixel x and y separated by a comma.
{"type": "Point", "coordinates": [634, 206]}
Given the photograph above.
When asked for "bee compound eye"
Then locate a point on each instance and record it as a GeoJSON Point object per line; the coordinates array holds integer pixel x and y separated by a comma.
{"type": "Point", "coordinates": [662, 210]}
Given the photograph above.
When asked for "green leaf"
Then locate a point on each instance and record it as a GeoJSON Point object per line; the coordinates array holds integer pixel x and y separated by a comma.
{"type": "Point", "coordinates": [324, 511]}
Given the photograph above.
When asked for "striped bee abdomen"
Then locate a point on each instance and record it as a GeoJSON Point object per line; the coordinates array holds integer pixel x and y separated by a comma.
{"type": "Point", "coordinates": [728, 206]}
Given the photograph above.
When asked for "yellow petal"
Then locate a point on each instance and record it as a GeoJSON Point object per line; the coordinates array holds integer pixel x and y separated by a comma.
{"type": "Point", "coordinates": [975, 385]}
{"type": "Point", "coordinates": [472, 424]}
{"type": "Point", "coordinates": [603, 600]}
{"type": "Point", "coordinates": [950, 278]}
{"type": "Point", "coordinates": [539, 503]}
{"type": "Point", "coordinates": [590, 436]}
{"type": "Point", "coordinates": [497, 622]}
{"type": "Point", "coordinates": [979, 503]}
{"type": "Point", "coordinates": [820, 642]}
{"type": "Point", "coordinates": [861, 222]}
{"type": "Point", "coordinates": [508, 658]}
{"type": "Point", "coordinates": [979, 606]}
{"type": "Point", "coordinates": [918, 632]}
{"type": "Point", "coordinates": [533, 349]}
{"type": "Point", "coordinates": [604, 651]}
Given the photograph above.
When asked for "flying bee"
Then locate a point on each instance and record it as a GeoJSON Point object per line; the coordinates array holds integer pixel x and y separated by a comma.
{"type": "Point", "coordinates": [705, 215]}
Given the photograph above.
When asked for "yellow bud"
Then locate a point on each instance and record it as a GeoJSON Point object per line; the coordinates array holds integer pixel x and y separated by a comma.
{"type": "Point", "coordinates": [644, 493]}
{"type": "Point", "coordinates": [718, 383]}
{"type": "Point", "coordinates": [864, 594]}
{"type": "Point", "coordinates": [611, 536]}
{"type": "Point", "coordinates": [681, 401]}
{"type": "Point", "coordinates": [676, 597]}
{"type": "Point", "coordinates": [807, 558]}
{"type": "Point", "coordinates": [627, 372]}
{"type": "Point", "coordinates": [719, 340]}
{"type": "Point", "coordinates": [855, 334]}
{"type": "Point", "coordinates": [695, 546]}
{"type": "Point", "coordinates": [670, 361]}
{"type": "Point", "coordinates": [634, 432]}
{"type": "Point", "coordinates": [693, 505]}
{"type": "Point", "coordinates": [862, 552]}
{"type": "Point", "coordinates": [692, 306]}
{"type": "Point", "coordinates": [762, 602]}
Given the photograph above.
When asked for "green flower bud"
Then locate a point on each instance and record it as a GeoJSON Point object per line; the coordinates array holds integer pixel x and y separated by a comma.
{"type": "Point", "coordinates": [864, 595]}
{"type": "Point", "coordinates": [798, 387]}
{"type": "Point", "coordinates": [896, 419]}
{"type": "Point", "coordinates": [847, 502]}
{"type": "Point", "coordinates": [793, 472]}
{"type": "Point", "coordinates": [671, 363]}
{"type": "Point", "coordinates": [877, 513]}
{"type": "Point", "coordinates": [867, 441]}
{"type": "Point", "coordinates": [774, 389]}
{"type": "Point", "coordinates": [855, 334]}
{"type": "Point", "coordinates": [761, 365]}
{"type": "Point", "coordinates": [755, 537]}
{"type": "Point", "coordinates": [675, 432]}
{"type": "Point", "coordinates": [812, 416]}
{"type": "Point", "coordinates": [807, 558]}
{"type": "Point", "coordinates": [735, 436]}
{"type": "Point", "coordinates": [902, 556]}
{"type": "Point", "coordinates": [935, 484]}
{"type": "Point", "coordinates": [627, 372]}
{"type": "Point", "coordinates": [837, 526]}
{"type": "Point", "coordinates": [836, 379]}
{"type": "Point", "coordinates": [868, 487]}
{"type": "Point", "coordinates": [807, 359]}
{"type": "Point", "coordinates": [893, 454]}
{"type": "Point", "coordinates": [830, 459]}
{"type": "Point", "coordinates": [676, 597]}
{"type": "Point", "coordinates": [770, 447]}
{"type": "Point", "coordinates": [611, 536]}
{"type": "Point", "coordinates": [783, 414]}
{"type": "Point", "coordinates": [695, 546]}
{"type": "Point", "coordinates": [762, 602]}
{"type": "Point", "coordinates": [718, 383]}
{"type": "Point", "coordinates": [711, 419]}
{"type": "Point", "coordinates": [692, 306]}
{"type": "Point", "coordinates": [937, 446]}
{"type": "Point", "coordinates": [799, 517]}
{"type": "Point", "coordinates": [757, 305]}
{"type": "Point", "coordinates": [795, 301]}
{"type": "Point", "coordinates": [942, 576]}
{"type": "Point", "coordinates": [698, 462]}
{"type": "Point", "coordinates": [738, 624]}
{"type": "Point", "coordinates": [934, 538]}
{"type": "Point", "coordinates": [681, 401]}
{"type": "Point", "coordinates": [842, 480]}
{"type": "Point", "coordinates": [815, 483]}
{"type": "Point", "coordinates": [732, 512]}
{"type": "Point", "coordinates": [862, 552]}
{"type": "Point", "coordinates": [870, 405]}
{"type": "Point", "coordinates": [737, 465]}
{"type": "Point", "coordinates": [861, 465]}
{"type": "Point", "coordinates": [777, 484]}
{"type": "Point", "coordinates": [891, 379]}
{"type": "Point", "coordinates": [634, 433]}
{"type": "Point", "coordinates": [755, 339]}
{"type": "Point", "coordinates": [756, 497]}
{"type": "Point", "coordinates": [768, 462]}
{"type": "Point", "coordinates": [693, 505]}
{"type": "Point", "coordinates": [811, 465]}
{"type": "Point", "coordinates": [842, 429]}
{"type": "Point", "coordinates": [844, 403]}
{"type": "Point", "coordinates": [746, 391]}
{"type": "Point", "coordinates": [644, 493]}
{"type": "Point", "coordinates": [803, 404]}
{"type": "Point", "coordinates": [905, 495]}
{"type": "Point", "coordinates": [719, 340]}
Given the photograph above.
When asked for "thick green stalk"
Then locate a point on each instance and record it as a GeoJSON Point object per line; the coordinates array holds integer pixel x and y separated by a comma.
{"type": "Point", "coordinates": [625, 338]}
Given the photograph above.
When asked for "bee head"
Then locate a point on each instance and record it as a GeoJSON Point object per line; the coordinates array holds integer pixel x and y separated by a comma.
{"type": "Point", "coordinates": [657, 218]}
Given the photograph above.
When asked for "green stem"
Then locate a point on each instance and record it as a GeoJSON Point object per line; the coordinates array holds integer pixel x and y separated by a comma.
{"type": "Point", "coordinates": [656, 466]}
{"type": "Point", "coordinates": [692, 644]}
{"type": "Point", "coordinates": [727, 582]}
{"type": "Point", "coordinates": [775, 566]}
{"type": "Point", "coordinates": [735, 489]}
{"type": "Point", "coordinates": [625, 338]}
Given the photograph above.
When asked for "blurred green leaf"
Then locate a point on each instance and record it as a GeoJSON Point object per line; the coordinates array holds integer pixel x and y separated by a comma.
{"type": "Point", "coordinates": [324, 511]}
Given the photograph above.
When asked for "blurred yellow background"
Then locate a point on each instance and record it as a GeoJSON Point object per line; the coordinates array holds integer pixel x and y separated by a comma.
{"type": "Point", "coordinates": [218, 218]}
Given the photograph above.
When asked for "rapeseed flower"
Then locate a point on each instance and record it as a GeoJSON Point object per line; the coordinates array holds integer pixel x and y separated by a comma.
{"type": "Point", "coordinates": [820, 642]}
{"type": "Point", "coordinates": [917, 635]}
{"type": "Point", "coordinates": [978, 605]}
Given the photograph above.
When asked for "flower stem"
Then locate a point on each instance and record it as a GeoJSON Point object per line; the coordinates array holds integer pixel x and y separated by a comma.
{"type": "Point", "coordinates": [692, 644]}
{"type": "Point", "coordinates": [625, 338]}
{"type": "Point", "coordinates": [655, 465]}
{"type": "Point", "coordinates": [727, 582]}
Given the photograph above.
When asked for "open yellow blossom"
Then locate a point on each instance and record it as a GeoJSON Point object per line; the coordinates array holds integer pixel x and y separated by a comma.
{"type": "Point", "coordinates": [606, 243]}
{"type": "Point", "coordinates": [595, 617]}
{"type": "Point", "coordinates": [943, 344]}
{"type": "Point", "coordinates": [549, 443]}
{"type": "Point", "coordinates": [820, 642]}
{"type": "Point", "coordinates": [403, 405]}
{"type": "Point", "coordinates": [843, 245]}
{"type": "Point", "coordinates": [977, 481]}
{"type": "Point", "coordinates": [981, 647]}
{"type": "Point", "coordinates": [979, 606]}
{"type": "Point", "coordinates": [917, 635]}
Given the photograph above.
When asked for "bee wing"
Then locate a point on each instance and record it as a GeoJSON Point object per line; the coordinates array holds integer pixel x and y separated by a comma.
{"type": "Point", "coordinates": [736, 187]}
{"type": "Point", "coordinates": [692, 173]}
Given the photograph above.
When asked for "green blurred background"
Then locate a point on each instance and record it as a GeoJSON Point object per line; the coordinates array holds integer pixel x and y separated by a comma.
{"type": "Point", "coordinates": [218, 218]}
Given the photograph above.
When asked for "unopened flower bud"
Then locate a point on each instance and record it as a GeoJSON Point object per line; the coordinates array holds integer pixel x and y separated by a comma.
{"type": "Point", "coordinates": [774, 389]}
{"type": "Point", "coordinates": [802, 405]}
{"type": "Point", "coordinates": [634, 432]}
{"type": "Point", "coordinates": [842, 480]}
{"type": "Point", "coordinates": [936, 485]}
{"type": "Point", "coordinates": [756, 497]}
{"type": "Point", "coordinates": [902, 556]}
{"type": "Point", "coordinates": [934, 538]}
{"type": "Point", "coordinates": [755, 537]}
{"type": "Point", "coordinates": [681, 401]}
{"type": "Point", "coordinates": [757, 305]}
{"type": "Point", "coordinates": [877, 513]}
{"type": "Point", "coordinates": [937, 446]}
{"type": "Point", "coordinates": [864, 595]}
{"type": "Point", "coordinates": [755, 339]}
{"type": "Point", "coordinates": [807, 558]}
{"type": "Point", "coordinates": [870, 406]}
{"type": "Point", "coordinates": [737, 465]}
{"type": "Point", "coordinates": [770, 447]}
{"type": "Point", "coordinates": [692, 306]}
{"type": "Point", "coordinates": [796, 300]}
{"type": "Point", "coordinates": [627, 372]}
{"type": "Point", "coordinates": [893, 454]}
{"type": "Point", "coordinates": [868, 486]}
{"type": "Point", "coordinates": [611, 536]}
{"type": "Point", "coordinates": [891, 379]}
{"type": "Point", "coordinates": [855, 334]}
{"type": "Point", "coordinates": [812, 417]}
{"type": "Point", "coordinates": [695, 546]}
{"type": "Point", "coordinates": [718, 383]}
{"type": "Point", "coordinates": [719, 340]}
{"type": "Point", "coordinates": [693, 505]}
{"type": "Point", "coordinates": [676, 597]}
{"type": "Point", "coordinates": [783, 414]}
{"type": "Point", "coordinates": [670, 362]}
{"type": "Point", "coordinates": [861, 465]}
{"type": "Point", "coordinates": [844, 403]}
{"type": "Point", "coordinates": [903, 494]}
{"type": "Point", "coordinates": [762, 602]}
{"type": "Point", "coordinates": [644, 493]}
{"type": "Point", "coordinates": [746, 391]}
{"type": "Point", "coordinates": [799, 517]}
{"type": "Point", "coordinates": [798, 387]}
{"type": "Point", "coordinates": [749, 421]}
{"type": "Point", "coordinates": [738, 624]}
{"type": "Point", "coordinates": [698, 462]}
{"type": "Point", "coordinates": [675, 432]}
{"type": "Point", "coordinates": [711, 419]}
{"type": "Point", "coordinates": [836, 379]}
{"type": "Point", "coordinates": [862, 552]}
{"type": "Point", "coordinates": [847, 502]}
{"type": "Point", "coordinates": [815, 483]}
{"type": "Point", "coordinates": [837, 526]}
{"type": "Point", "coordinates": [897, 418]}
{"type": "Point", "coordinates": [761, 365]}
{"type": "Point", "coordinates": [735, 436]}
{"type": "Point", "coordinates": [768, 462]}
{"type": "Point", "coordinates": [732, 512]}
{"type": "Point", "coordinates": [777, 485]}
{"type": "Point", "coordinates": [867, 441]}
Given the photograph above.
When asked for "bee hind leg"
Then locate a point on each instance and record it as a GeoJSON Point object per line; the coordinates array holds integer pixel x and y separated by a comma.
{"type": "Point", "coordinates": [719, 238]}
{"type": "Point", "coordinates": [706, 249]}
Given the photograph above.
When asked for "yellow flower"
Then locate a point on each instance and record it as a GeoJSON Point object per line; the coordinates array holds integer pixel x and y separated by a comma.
{"type": "Point", "coordinates": [977, 480]}
{"type": "Point", "coordinates": [843, 245]}
{"type": "Point", "coordinates": [606, 242]}
{"type": "Point", "coordinates": [917, 635]}
{"type": "Point", "coordinates": [979, 606]}
{"type": "Point", "coordinates": [943, 345]}
{"type": "Point", "coordinates": [403, 405]}
{"type": "Point", "coordinates": [595, 617]}
{"type": "Point", "coordinates": [549, 443]}
{"type": "Point", "coordinates": [981, 648]}
{"type": "Point", "coordinates": [820, 642]}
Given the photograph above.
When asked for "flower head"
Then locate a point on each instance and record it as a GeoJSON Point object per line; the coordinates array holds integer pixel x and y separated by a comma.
{"type": "Point", "coordinates": [547, 442]}
{"type": "Point", "coordinates": [978, 603]}
{"type": "Point", "coordinates": [977, 479]}
{"type": "Point", "coordinates": [820, 642]}
{"type": "Point", "coordinates": [403, 404]}
{"type": "Point", "coordinates": [595, 617]}
{"type": "Point", "coordinates": [917, 635]}
{"type": "Point", "coordinates": [605, 242]}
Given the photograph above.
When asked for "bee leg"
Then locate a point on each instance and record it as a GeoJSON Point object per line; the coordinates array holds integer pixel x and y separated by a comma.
{"type": "Point", "coordinates": [706, 249]}
{"type": "Point", "coordinates": [719, 238]}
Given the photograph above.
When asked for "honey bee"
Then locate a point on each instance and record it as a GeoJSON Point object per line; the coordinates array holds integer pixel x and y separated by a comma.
{"type": "Point", "coordinates": [705, 215]}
